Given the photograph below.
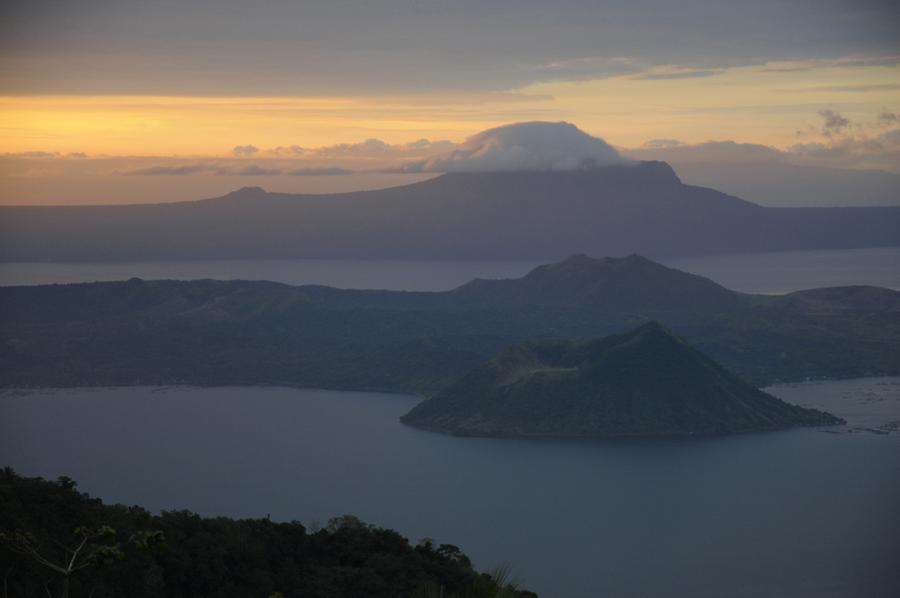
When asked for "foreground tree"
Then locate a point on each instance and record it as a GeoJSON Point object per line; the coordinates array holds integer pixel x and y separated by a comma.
{"type": "Point", "coordinates": [111, 554]}
{"type": "Point", "coordinates": [93, 547]}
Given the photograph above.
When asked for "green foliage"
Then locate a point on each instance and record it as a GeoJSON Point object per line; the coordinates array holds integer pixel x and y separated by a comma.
{"type": "Point", "coordinates": [179, 554]}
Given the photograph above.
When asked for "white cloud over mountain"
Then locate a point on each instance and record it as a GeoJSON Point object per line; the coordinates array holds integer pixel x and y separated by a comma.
{"type": "Point", "coordinates": [524, 146]}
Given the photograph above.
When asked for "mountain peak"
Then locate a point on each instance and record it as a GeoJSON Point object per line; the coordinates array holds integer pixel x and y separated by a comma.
{"type": "Point", "coordinates": [247, 193]}
{"type": "Point", "coordinates": [583, 260]}
{"type": "Point", "coordinates": [630, 283]}
{"type": "Point", "coordinates": [652, 329]}
{"type": "Point", "coordinates": [645, 382]}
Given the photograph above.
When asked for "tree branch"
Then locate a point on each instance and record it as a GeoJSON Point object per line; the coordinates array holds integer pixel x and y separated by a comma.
{"type": "Point", "coordinates": [75, 553]}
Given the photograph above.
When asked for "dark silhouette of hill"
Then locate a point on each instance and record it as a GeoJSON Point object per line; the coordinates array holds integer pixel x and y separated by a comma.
{"type": "Point", "coordinates": [644, 382]}
{"type": "Point", "coordinates": [133, 552]}
{"type": "Point", "coordinates": [242, 332]}
{"type": "Point", "coordinates": [610, 283]}
{"type": "Point", "coordinates": [613, 210]}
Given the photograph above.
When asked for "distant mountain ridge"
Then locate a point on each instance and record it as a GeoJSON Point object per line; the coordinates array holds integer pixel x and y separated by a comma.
{"type": "Point", "coordinates": [630, 282]}
{"type": "Point", "coordinates": [780, 184]}
{"type": "Point", "coordinates": [644, 382]}
{"type": "Point", "coordinates": [245, 332]}
{"type": "Point", "coordinates": [614, 210]}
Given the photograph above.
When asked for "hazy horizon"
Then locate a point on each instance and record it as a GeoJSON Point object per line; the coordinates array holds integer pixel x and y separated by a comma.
{"type": "Point", "coordinates": [762, 174]}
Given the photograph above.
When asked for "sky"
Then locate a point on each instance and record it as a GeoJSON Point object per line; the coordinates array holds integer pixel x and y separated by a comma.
{"type": "Point", "coordinates": [96, 95]}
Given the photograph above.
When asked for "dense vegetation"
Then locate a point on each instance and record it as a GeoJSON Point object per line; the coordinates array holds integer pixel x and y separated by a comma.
{"type": "Point", "coordinates": [132, 553]}
{"type": "Point", "coordinates": [238, 332]}
{"type": "Point", "coordinates": [645, 382]}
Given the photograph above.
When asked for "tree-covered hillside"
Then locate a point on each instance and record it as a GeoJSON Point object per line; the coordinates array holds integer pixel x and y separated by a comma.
{"type": "Point", "coordinates": [240, 332]}
{"type": "Point", "coordinates": [130, 552]}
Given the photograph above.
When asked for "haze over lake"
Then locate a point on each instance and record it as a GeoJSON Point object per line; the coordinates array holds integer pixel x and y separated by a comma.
{"type": "Point", "coordinates": [776, 272]}
{"type": "Point", "coordinates": [801, 513]}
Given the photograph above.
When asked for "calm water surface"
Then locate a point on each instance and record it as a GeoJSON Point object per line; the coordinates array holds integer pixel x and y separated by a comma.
{"type": "Point", "coordinates": [802, 513]}
{"type": "Point", "coordinates": [753, 273]}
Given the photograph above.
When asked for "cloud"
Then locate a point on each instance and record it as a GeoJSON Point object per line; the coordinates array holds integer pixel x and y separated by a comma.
{"type": "Point", "coordinates": [890, 139]}
{"type": "Point", "coordinates": [181, 170]}
{"type": "Point", "coordinates": [38, 155]}
{"type": "Point", "coordinates": [837, 142]}
{"type": "Point", "coordinates": [639, 68]}
{"type": "Point", "coordinates": [660, 143]}
{"type": "Point", "coordinates": [886, 118]}
{"type": "Point", "coordinates": [523, 146]}
{"type": "Point", "coordinates": [709, 152]}
{"type": "Point", "coordinates": [844, 148]}
{"type": "Point", "coordinates": [881, 152]}
{"type": "Point", "coordinates": [846, 88]}
{"type": "Point", "coordinates": [328, 171]}
{"type": "Point", "coordinates": [426, 145]}
{"type": "Point", "coordinates": [849, 144]}
{"type": "Point", "coordinates": [368, 149]}
{"type": "Point", "coordinates": [677, 73]}
{"type": "Point", "coordinates": [603, 67]}
{"type": "Point", "coordinates": [224, 169]}
{"type": "Point", "coordinates": [852, 151]}
{"type": "Point", "coordinates": [252, 170]}
{"type": "Point", "coordinates": [588, 68]}
{"type": "Point", "coordinates": [788, 66]}
{"type": "Point", "coordinates": [288, 151]}
{"type": "Point", "coordinates": [833, 122]}
{"type": "Point", "coordinates": [887, 60]}
{"type": "Point", "coordinates": [350, 48]}
{"type": "Point", "coordinates": [244, 150]}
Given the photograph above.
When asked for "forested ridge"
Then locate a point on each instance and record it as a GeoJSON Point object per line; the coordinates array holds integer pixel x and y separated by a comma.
{"type": "Point", "coordinates": [127, 551]}
{"type": "Point", "coordinates": [209, 332]}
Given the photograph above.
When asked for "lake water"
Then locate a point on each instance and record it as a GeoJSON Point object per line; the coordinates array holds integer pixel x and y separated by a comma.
{"type": "Point", "coordinates": [800, 513]}
{"type": "Point", "coordinates": [753, 273]}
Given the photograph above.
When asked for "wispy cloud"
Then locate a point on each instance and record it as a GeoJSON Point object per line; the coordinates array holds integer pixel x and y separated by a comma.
{"type": "Point", "coordinates": [845, 88]}
{"type": "Point", "coordinates": [244, 150]}
{"type": "Point", "coordinates": [174, 170]}
{"type": "Point", "coordinates": [252, 170]}
{"type": "Point", "coordinates": [710, 152]}
{"type": "Point", "coordinates": [523, 146]}
{"type": "Point", "coordinates": [39, 155]}
{"type": "Point", "coordinates": [334, 171]}
{"type": "Point", "coordinates": [603, 67]}
{"type": "Point", "coordinates": [677, 73]}
{"type": "Point", "coordinates": [587, 68]}
{"type": "Point", "coordinates": [887, 118]}
{"type": "Point", "coordinates": [661, 143]}
{"type": "Point", "coordinates": [787, 66]}
{"type": "Point", "coordinates": [833, 122]}
{"type": "Point", "coordinates": [230, 170]}
{"type": "Point", "coordinates": [836, 142]}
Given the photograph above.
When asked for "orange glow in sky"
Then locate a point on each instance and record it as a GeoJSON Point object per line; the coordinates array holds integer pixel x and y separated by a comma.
{"type": "Point", "coordinates": [761, 104]}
